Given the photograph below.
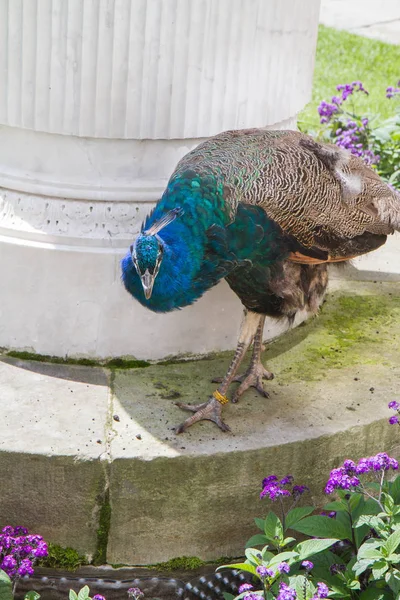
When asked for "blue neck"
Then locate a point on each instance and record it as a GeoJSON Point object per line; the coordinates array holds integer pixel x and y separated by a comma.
{"type": "Point", "coordinates": [202, 246]}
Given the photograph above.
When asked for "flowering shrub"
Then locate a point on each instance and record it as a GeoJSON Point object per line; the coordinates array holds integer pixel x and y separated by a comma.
{"type": "Point", "coordinates": [376, 143]}
{"type": "Point", "coordinates": [352, 548]}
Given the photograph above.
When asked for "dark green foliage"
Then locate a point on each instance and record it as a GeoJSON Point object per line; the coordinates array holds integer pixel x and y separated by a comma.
{"type": "Point", "coordinates": [63, 558]}
{"type": "Point", "coordinates": [184, 563]}
{"type": "Point", "coordinates": [100, 556]}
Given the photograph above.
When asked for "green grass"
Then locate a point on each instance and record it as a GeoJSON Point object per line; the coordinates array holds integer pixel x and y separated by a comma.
{"type": "Point", "coordinates": [344, 57]}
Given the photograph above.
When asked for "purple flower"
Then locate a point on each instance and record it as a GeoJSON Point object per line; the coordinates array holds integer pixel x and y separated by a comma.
{"type": "Point", "coordinates": [41, 551]}
{"type": "Point", "coordinates": [8, 530]}
{"type": "Point", "coordinates": [251, 596]}
{"type": "Point", "coordinates": [341, 479]}
{"type": "Point", "coordinates": [286, 480]}
{"type": "Point", "coordinates": [9, 565]}
{"type": "Point", "coordinates": [262, 571]}
{"type": "Point", "coordinates": [393, 420]}
{"type": "Point", "coordinates": [286, 592]}
{"type": "Point", "coordinates": [245, 587]}
{"type": "Point", "coordinates": [336, 568]}
{"type": "Point", "coordinates": [322, 590]}
{"type": "Point", "coordinates": [269, 479]}
{"type": "Point", "coordinates": [298, 490]}
{"type": "Point", "coordinates": [25, 568]}
{"type": "Point", "coordinates": [393, 404]}
{"type": "Point", "coordinates": [307, 564]}
{"type": "Point", "coordinates": [283, 567]}
{"type": "Point", "coordinates": [98, 597]}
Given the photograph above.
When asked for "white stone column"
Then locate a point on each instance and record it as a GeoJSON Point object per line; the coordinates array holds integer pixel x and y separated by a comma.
{"type": "Point", "coordinates": [99, 100]}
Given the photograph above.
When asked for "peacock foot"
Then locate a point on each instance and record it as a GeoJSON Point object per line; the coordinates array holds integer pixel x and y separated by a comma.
{"type": "Point", "coordinates": [208, 411]}
{"type": "Point", "coordinates": [252, 378]}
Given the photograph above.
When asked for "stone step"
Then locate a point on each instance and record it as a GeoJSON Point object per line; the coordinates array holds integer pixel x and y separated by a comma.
{"type": "Point", "coordinates": [81, 446]}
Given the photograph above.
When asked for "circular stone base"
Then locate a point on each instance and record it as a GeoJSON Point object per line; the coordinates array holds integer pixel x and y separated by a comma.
{"type": "Point", "coordinates": [104, 440]}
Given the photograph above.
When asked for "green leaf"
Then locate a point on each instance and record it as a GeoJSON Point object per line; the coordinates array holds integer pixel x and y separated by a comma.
{"type": "Point", "coordinates": [73, 595]}
{"type": "Point", "coordinates": [367, 551]}
{"type": "Point", "coordinates": [311, 547]}
{"type": "Point", "coordinates": [260, 523]}
{"type": "Point", "coordinates": [379, 569]}
{"type": "Point", "coordinates": [337, 505]}
{"type": "Point", "coordinates": [282, 556]}
{"type": "Point", "coordinates": [273, 527]}
{"type": "Point", "coordinates": [301, 585]}
{"type": "Point", "coordinates": [240, 566]}
{"type": "Point", "coordinates": [373, 593]}
{"type": "Point", "coordinates": [83, 594]}
{"type": "Point", "coordinates": [256, 540]}
{"type": "Point", "coordinates": [372, 521]}
{"type": "Point", "coordinates": [323, 527]}
{"type": "Point", "coordinates": [266, 554]}
{"type": "Point", "coordinates": [288, 540]}
{"type": "Point", "coordinates": [392, 542]}
{"type": "Point", "coordinates": [362, 565]}
{"type": "Point", "coordinates": [32, 595]}
{"type": "Point", "coordinates": [394, 489]}
{"type": "Point", "coordinates": [5, 586]}
{"type": "Point", "coordinates": [393, 581]}
{"type": "Point", "coordinates": [228, 596]}
{"type": "Point", "coordinates": [296, 514]}
{"type": "Point", "coordinates": [252, 555]}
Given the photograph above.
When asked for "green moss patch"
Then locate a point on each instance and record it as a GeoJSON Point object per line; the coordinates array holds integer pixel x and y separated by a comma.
{"type": "Point", "coordinates": [350, 330]}
{"type": "Point", "coordinates": [63, 558]}
{"type": "Point", "coordinates": [113, 363]}
{"type": "Point", "coordinates": [183, 563]}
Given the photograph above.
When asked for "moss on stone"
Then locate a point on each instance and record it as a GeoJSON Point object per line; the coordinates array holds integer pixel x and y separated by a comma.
{"type": "Point", "coordinates": [350, 330]}
{"type": "Point", "coordinates": [184, 563]}
{"type": "Point", "coordinates": [63, 558]}
{"type": "Point", "coordinates": [113, 363]}
{"type": "Point", "coordinates": [126, 363]}
{"type": "Point", "coordinates": [100, 556]}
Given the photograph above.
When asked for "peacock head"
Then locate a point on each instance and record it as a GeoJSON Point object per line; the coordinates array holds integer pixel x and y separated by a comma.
{"type": "Point", "coordinates": [147, 253]}
{"type": "Point", "coordinates": [148, 249]}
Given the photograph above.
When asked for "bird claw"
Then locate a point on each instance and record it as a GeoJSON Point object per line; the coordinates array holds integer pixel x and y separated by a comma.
{"type": "Point", "coordinates": [207, 411]}
{"type": "Point", "coordinates": [252, 378]}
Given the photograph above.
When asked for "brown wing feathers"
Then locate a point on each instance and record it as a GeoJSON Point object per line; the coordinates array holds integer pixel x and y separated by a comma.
{"type": "Point", "coordinates": [326, 199]}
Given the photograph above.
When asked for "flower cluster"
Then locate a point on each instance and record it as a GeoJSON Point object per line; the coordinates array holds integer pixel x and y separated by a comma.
{"type": "Point", "coordinates": [135, 593]}
{"type": "Point", "coordinates": [392, 91]}
{"type": "Point", "coordinates": [351, 132]}
{"type": "Point", "coordinates": [307, 565]}
{"type": "Point", "coordinates": [346, 476]}
{"type": "Point", "coordinates": [322, 591]}
{"type": "Point", "coordinates": [327, 110]}
{"type": "Point", "coordinates": [98, 597]}
{"type": "Point", "coordinates": [353, 136]}
{"type": "Point", "coordinates": [19, 551]}
{"type": "Point", "coordinates": [286, 592]}
{"type": "Point", "coordinates": [273, 488]}
{"type": "Point", "coordinates": [395, 418]}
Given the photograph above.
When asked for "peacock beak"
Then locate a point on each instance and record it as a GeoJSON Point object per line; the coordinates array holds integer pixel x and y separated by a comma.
{"type": "Point", "coordinates": [147, 283]}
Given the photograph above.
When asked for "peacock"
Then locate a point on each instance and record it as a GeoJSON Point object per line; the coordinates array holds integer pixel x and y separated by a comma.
{"type": "Point", "coordinates": [267, 211]}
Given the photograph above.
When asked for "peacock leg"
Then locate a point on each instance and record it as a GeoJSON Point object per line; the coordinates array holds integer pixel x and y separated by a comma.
{"type": "Point", "coordinates": [211, 410]}
{"type": "Point", "coordinates": [256, 372]}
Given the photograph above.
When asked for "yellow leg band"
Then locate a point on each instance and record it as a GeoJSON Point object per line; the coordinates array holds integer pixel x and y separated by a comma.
{"type": "Point", "coordinates": [221, 399]}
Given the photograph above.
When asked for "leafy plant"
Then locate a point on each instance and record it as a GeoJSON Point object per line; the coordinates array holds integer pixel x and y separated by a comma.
{"type": "Point", "coordinates": [353, 544]}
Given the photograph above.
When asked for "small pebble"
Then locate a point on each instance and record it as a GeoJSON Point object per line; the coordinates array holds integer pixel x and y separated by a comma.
{"type": "Point", "coordinates": [116, 417]}
{"type": "Point", "coordinates": [138, 436]}
{"type": "Point", "coordinates": [371, 389]}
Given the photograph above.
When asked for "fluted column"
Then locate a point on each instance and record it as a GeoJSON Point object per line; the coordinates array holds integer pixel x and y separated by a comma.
{"type": "Point", "coordinates": [99, 100]}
